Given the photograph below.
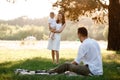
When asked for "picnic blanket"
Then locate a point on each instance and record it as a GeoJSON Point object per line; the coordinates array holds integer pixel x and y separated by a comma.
{"type": "Point", "coordinates": [41, 72]}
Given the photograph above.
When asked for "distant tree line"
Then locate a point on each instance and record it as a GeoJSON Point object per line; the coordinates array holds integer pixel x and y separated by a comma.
{"type": "Point", "coordinates": [20, 28]}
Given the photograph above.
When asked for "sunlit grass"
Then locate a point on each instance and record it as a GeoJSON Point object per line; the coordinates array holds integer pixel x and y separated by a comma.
{"type": "Point", "coordinates": [110, 56]}
{"type": "Point", "coordinates": [7, 55]}
{"type": "Point", "coordinates": [11, 59]}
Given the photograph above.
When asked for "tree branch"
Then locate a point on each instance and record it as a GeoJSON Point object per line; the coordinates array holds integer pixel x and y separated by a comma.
{"type": "Point", "coordinates": [103, 5]}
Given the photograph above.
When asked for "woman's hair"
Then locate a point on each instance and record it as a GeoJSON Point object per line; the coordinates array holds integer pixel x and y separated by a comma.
{"type": "Point", "coordinates": [63, 19]}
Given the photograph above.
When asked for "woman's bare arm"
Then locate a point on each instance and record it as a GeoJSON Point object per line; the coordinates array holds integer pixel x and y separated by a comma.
{"type": "Point", "coordinates": [60, 30]}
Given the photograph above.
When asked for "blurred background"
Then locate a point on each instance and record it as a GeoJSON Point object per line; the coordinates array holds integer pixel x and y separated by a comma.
{"type": "Point", "coordinates": [30, 18]}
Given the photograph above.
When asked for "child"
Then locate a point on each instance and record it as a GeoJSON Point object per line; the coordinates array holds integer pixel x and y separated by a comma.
{"type": "Point", "coordinates": [52, 24]}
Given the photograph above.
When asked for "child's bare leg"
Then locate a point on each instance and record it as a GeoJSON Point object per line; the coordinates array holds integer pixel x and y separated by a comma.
{"type": "Point", "coordinates": [53, 56]}
{"type": "Point", "coordinates": [57, 57]}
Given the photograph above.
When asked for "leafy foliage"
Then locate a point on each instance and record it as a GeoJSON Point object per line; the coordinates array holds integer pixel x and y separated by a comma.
{"type": "Point", "coordinates": [73, 9]}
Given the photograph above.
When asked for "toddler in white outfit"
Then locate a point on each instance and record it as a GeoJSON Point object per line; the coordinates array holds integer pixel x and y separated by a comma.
{"type": "Point", "coordinates": [52, 25]}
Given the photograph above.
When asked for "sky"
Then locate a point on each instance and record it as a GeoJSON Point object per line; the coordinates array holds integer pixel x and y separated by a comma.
{"type": "Point", "coordinates": [31, 8]}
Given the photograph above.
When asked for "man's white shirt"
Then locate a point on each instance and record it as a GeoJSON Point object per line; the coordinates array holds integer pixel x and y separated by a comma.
{"type": "Point", "coordinates": [89, 53]}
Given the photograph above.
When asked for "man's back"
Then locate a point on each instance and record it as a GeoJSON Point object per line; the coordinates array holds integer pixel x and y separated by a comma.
{"type": "Point", "coordinates": [90, 52]}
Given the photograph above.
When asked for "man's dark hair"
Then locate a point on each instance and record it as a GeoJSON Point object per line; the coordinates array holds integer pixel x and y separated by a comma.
{"type": "Point", "coordinates": [83, 31]}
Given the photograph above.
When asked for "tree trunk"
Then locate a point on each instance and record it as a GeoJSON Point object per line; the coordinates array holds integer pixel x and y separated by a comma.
{"type": "Point", "coordinates": [114, 25]}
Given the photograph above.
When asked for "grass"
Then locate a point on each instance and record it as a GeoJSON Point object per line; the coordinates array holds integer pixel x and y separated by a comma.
{"type": "Point", "coordinates": [41, 59]}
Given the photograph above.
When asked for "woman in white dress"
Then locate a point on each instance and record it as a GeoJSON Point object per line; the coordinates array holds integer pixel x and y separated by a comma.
{"type": "Point", "coordinates": [54, 44]}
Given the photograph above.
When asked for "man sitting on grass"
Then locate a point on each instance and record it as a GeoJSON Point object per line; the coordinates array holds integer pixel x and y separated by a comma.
{"type": "Point", "coordinates": [88, 53]}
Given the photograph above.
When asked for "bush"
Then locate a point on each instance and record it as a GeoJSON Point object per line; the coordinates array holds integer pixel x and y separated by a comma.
{"type": "Point", "coordinates": [96, 32]}
{"type": "Point", "coordinates": [10, 32]}
{"type": "Point", "coordinates": [105, 32]}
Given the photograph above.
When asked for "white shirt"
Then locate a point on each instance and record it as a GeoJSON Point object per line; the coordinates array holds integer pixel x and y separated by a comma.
{"type": "Point", "coordinates": [89, 53]}
{"type": "Point", "coordinates": [52, 23]}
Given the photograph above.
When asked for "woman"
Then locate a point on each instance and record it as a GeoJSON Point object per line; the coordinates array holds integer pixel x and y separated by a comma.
{"type": "Point", "coordinates": [54, 45]}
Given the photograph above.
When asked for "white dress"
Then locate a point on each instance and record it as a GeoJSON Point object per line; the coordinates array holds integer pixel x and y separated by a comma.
{"type": "Point", "coordinates": [55, 44]}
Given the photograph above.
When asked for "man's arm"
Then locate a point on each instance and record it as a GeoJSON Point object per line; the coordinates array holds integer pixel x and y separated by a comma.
{"type": "Point", "coordinates": [81, 53]}
{"type": "Point", "coordinates": [60, 30]}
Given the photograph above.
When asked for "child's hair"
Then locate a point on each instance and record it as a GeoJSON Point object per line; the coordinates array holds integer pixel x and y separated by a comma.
{"type": "Point", "coordinates": [52, 13]}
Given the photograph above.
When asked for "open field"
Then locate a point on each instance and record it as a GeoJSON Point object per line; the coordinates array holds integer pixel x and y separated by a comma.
{"type": "Point", "coordinates": [35, 58]}
{"type": "Point", "coordinates": [43, 44]}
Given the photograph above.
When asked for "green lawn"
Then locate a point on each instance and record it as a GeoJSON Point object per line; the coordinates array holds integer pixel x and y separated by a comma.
{"type": "Point", "coordinates": [41, 59]}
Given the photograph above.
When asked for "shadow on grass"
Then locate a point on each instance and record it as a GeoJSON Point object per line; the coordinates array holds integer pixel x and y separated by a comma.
{"type": "Point", "coordinates": [111, 70]}
{"type": "Point", "coordinates": [118, 52]}
{"type": "Point", "coordinates": [7, 70]}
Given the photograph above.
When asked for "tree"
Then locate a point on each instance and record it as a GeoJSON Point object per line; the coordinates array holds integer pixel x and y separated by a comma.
{"type": "Point", "coordinates": [73, 9]}
{"type": "Point", "coordinates": [114, 25]}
